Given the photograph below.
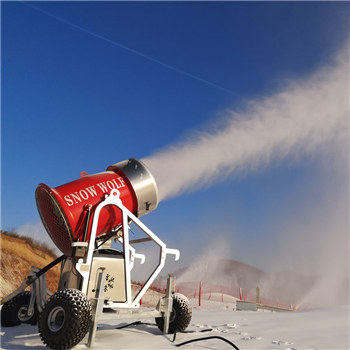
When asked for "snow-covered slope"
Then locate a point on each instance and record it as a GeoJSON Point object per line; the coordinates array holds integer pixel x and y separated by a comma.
{"type": "Point", "coordinates": [325, 329]}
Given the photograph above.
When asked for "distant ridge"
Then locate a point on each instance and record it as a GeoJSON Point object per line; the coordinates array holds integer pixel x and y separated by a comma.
{"type": "Point", "coordinates": [285, 286]}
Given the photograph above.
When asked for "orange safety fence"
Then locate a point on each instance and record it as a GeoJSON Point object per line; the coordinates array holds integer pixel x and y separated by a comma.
{"type": "Point", "coordinates": [209, 291]}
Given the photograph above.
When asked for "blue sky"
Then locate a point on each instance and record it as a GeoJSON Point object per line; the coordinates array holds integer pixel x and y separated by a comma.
{"type": "Point", "coordinates": [74, 99]}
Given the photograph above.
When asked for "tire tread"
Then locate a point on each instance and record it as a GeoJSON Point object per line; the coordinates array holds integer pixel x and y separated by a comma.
{"type": "Point", "coordinates": [9, 316]}
{"type": "Point", "coordinates": [79, 314]}
{"type": "Point", "coordinates": [183, 314]}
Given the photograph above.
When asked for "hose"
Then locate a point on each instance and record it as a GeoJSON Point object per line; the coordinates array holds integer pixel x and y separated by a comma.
{"type": "Point", "coordinates": [188, 341]}
{"type": "Point", "coordinates": [207, 338]}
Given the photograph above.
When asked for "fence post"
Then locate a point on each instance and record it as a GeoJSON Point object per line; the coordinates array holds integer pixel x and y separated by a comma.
{"type": "Point", "coordinates": [200, 294]}
{"type": "Point", "coordinates": [257, 295]}
{"type": "Point", "coordinates": [240, 294]}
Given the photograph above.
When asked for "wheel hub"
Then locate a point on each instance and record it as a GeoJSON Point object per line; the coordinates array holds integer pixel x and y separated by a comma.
{"type": "Point", "coordinates": [56, 319]}
{"type": "Point", "coordinates": [22, 313]}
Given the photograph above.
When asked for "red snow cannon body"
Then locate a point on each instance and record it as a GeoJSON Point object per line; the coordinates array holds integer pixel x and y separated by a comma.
{"type": "Point", "coordinates": [64, 209]}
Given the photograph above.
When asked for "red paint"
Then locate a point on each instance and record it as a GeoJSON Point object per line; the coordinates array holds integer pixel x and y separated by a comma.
{"type": "Point", "coordinates": [68, 203]}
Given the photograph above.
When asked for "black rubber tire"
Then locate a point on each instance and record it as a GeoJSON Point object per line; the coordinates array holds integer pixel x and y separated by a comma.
{"type": "Point", "coordinates": [13, 313]}
{"type": "Point", "coordinates": [65, 319]}
{"type": "Point", "coordinates": [180, 317]}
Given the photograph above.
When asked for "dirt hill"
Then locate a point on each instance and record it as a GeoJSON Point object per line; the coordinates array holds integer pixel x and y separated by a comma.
{"type": "Point", "coordinates": [18, 255]}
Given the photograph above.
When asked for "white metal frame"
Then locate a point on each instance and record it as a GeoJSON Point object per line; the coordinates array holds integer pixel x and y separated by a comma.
{"type": "Point", "coordinates": [84, 268]}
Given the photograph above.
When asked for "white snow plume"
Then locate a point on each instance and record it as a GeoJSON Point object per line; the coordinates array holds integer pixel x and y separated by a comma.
{"type": "Point", "coordinates": [310, 233]}
{"type": "Point", "coordinates": [307, 116]}
{"type": "Point", "coordinates": [206, 265]}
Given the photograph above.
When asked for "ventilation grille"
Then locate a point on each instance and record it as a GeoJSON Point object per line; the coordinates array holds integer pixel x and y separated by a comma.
{"type": "Point", "coordinates": [54, 219]}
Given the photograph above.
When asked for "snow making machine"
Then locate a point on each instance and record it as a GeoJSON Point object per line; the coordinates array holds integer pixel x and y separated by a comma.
{"type": "Point", "coordinates": [80, 217]}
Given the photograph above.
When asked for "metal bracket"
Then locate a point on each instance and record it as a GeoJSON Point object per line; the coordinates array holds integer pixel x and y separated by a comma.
{"type": "Point", "coordinates": [38, 292]}
{"type": "Point", "coordinates": [168, 303]}
{"type": "Point", "coordinates": [97, 306]}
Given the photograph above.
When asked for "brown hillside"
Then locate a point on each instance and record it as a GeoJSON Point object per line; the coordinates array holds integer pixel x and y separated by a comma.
{"type": "Point", "coordinates": [17, 257]}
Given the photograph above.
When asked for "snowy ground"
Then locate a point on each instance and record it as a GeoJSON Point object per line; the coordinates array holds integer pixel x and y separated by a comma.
{"type": "Point", "coordinates": [302, 330]}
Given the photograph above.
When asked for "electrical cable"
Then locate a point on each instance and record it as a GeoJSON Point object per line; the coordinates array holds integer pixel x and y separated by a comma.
{"type": "Point", "coordinates": [201, 331]}
{"type": "Point", "coordinates": [129, 325]}
{"type": "Point", "coordinates": [188, 341]}
{"type": "Point", "coordinates": [135, 324]}
{"type": "Point", "coordinates": [47, 267]}
{"type": "Point", "coordinates": [207, 338]}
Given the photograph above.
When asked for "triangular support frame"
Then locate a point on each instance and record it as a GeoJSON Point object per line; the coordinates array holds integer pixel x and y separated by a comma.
{"type": "Point", "coordinates": [84, 267]}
